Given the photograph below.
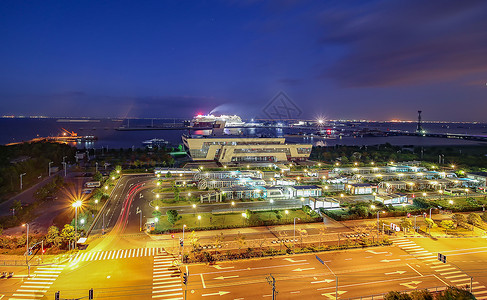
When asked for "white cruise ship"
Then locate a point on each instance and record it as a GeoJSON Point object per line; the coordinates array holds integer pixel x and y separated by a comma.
{"type": "Point", "coordinates": [209, 120]}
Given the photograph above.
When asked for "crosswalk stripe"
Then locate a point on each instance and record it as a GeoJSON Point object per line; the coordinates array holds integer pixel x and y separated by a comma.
{"type": "Point", "coordinates": [166, 286]}
{"type": "Point", "coordinates": [478, 287]}
{"type": "Point", "coordinates": [456, 276]}
{"type": "Point", "coordinates": [167, 282]}
{"type": "Point", "coordinates": [480, 292]}
{"type": "Point", "coordinates": [37, 282]}
{"type": "Point", "coordinates": [26, 295]}
{"type": "Point", "coordinates": [442, 265]}
{"type": "Point", "coordinates": [168, 295]}
{"type": "Point", "coordinates": [458, 280]}
{"type": "Point", "coordinates": [138, 252]}
{"type": "Point", "coordinates": [171, 290]}
{"type": "Point", "coordinates": [32, 291]}
{"type": "Point", "coordinates": [34, 286]}
{"type": "Point", "coordinates": [446, 269]}
{"type": "Point", "coordinates": [449, 273]}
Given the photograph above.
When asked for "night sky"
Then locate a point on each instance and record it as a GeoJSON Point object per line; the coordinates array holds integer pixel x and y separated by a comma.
{"type": "Point", "coordinates": [334, 59]}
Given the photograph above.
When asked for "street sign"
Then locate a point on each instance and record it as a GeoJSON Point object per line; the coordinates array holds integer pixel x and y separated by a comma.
{"type": "Point", "coordinates": [320, 260]}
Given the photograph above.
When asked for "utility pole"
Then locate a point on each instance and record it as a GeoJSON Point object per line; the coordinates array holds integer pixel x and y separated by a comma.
{"type": "Point", "coordinates": [272, 281]}
{"type": "Point", "coordinates": [50, 168]}
{"type": "Point", "coordinates": [21, 180]}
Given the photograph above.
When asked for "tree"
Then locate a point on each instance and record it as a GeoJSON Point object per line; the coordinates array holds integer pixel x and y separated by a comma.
{"type": "Point", "coordinates": [172, 216]}
{"type": "Point", "coordinates": [53, 237]}
{"type": "Point", "coordinates": [406, 223]}
{"type": "Point", "coordinates": [452, 292]}
{"type": "Point", "coordinates": [447, 224]}
{"type": "Point", "coordinates": [474, 219]}
{"type": "Point", "coordinates": [396, 296]}
{"type": "Point", "coordinates": [218, 239]}
{"type": "Point", "coordinates": [240, 239]}
{"type": "Point", "coordinates": [67, 234]}
{"type": "Point", "coordinates": [429, 223]}
{"type": "Point", "coordinates": [421, 295]}
{"type": "Point", "coordinates": [194, 240]}
{"type": "Point", "coordinates": [459, 219]}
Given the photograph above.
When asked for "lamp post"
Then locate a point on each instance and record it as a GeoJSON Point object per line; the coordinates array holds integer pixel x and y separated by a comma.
{"type": "Point", "coordinates": [233, 205]}
{"type": "Point", "coordinates": [76, 204]}
{"type": "Point", "coordinates": [294, 233]}
{"type": "Point", "coordinates": [50, 168]}
{"type": "Point", "coordinates": [194, 207]}
{"type": "Point", "coordinates": [139, 212]}
{"type": "Point", "coordinates": [271, 201]}
{"type": "Point", "coordinates": [199, 221]}
{"type": "Point", "coordinates": [27, 249]}
{"type": "Point", "coordinates": [244, 215]}
{"type": "Point", "coordinates": [430, 211]}
{"type": "Point", "coordinates": [182, 247]}
{"type": "Point", "coordinates": [96, 167]}
{"type": "Point", "coordinates": [21, 180]}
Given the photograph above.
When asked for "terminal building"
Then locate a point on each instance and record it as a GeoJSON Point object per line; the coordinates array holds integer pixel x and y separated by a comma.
{"type": "Point", "coordinates": [235, 149]}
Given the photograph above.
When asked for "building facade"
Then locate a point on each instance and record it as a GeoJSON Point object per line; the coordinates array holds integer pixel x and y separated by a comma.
{"type": "Point", "coordinates": [244, 149]}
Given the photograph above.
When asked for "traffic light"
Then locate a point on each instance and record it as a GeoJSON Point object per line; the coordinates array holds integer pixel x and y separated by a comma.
{"type": "Point", "coordinates": [181, 243]}
{"type": "Point", "coordinates": [90, 294]}
{"type": "Point", "coordinates": [442, 257]}
{"type": "Point", "coordinates": [56, 295]}
{"type": "Point", "coordinates": [185, 278]}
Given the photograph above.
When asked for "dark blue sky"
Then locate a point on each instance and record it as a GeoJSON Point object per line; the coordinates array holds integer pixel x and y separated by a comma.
{"type": "Point", "coordinates": [335, 59]}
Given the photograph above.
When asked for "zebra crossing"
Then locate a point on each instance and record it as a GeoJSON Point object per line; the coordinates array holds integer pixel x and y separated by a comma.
{"type": "Point", "coordinates": [36, 286]}
{"type": "Point", "coordinates": [166, 283]}
{"type": "Point", "coordinates": [114, 254]}
{"type": "Point", "coordinates": [455, 276]}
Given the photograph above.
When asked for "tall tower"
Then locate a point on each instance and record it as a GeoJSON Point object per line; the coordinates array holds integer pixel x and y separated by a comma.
{"type": "Point", "coordinates": [419, 127]}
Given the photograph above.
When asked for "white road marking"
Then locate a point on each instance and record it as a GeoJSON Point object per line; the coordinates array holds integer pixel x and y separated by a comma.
{"type": "Point", "coordinates": [203, 281]}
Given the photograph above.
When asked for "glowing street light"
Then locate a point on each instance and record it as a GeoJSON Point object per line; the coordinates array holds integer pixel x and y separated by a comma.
{"type": "Point", "coordinates": [157, 207]}
{"type": "Point", "coordinates": [27, 248]}
{"type": "Point", "coordinates": [194, 207]}
{"type": "Point", "coordinates": [106, 187]}
{"type": "Point", "coordinates": [76, 204]}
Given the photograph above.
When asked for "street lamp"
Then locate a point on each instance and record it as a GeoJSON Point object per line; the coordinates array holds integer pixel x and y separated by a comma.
{"type": "Point", "coordinates": [76, 204]}
{"type": "Point", "coordinates": [244, 215]}
{"type": "Point", "coordinates": [157, 207]}
{"type": "Point", "coordinates": [294, 232]}
{"type": "Point", "coordinates": [466, 194]}
{"type": "Point", "coordinates": [182, 247]}
{"type": "Point", "coordinates": [27, 249]}
{"type": "Point", "coordinates": [451, 201]}
{"type": "Point", "coordinates": [271, 201]}
{"type": "Point", "coordinates": [199, 221]}
{"type": "Point", "coordinates": [50, 168]}
{"type": "Point", "coordinates": [194, 206]}
{"type": "Point", "coordinates": [441, 193]}
{"type": "Point", "coordinates": [106, 187]}
{"type": "Point", "coordinates": [21, 180]}
{"type": "Point", "coordinates": [96, 203]}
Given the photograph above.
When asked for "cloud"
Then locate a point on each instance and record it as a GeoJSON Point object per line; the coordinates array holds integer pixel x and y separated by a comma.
{"type": "Point", "coordinates": [406, 42]}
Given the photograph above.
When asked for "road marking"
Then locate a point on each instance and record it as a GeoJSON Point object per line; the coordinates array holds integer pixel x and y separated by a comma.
{"type": "Point", "coordinates": [397, 272]}
{"type": "Point", "coordinates": [442, 265]}
{"type": "Point", "coordinates": [294, 261]}
{"type": "Point", "coordinates": [325, 281]}
{"type": "Point", "coordinates": [167, 282]}
{"type": "Point", "coordinates": [449, 273]}
{"type": "Point", "coordinates": [415, 270]}
{"type": "Point", "coordinates": [459, 280]}
{"type": "Point", "coordinates": [333, 295]}
{"type": "Point", "coordinates": [32, 291]}
{"type": "Point", "coordinates": [373, 252]}
{"type": "Point", "coordinates": [389, 260]}
{"type": "Point", "coordinates": [171, 290]}
{"type": "Point", "coordinates": [446, 269]}
{"type": "Point", "coordinates": [203, 281]}
{"type": "Point", "coordinates": [168, 295]}
{"type": "Point", "coordinates": [166, 286]}
{"type": "Point", "coordinates": [225, 277]}
{"type": "Point", "coordinates": [221, 268]}
{"type": "Point", "coordinates": [296, 292]}
{"type": "Point", "coordinates": [411, 285]}
{"type": "Point", "coordinates": [300, 270]}
{"type": "Point", "coordinates": [220, 293]}
{"type": "Point", "coordinates": [456, 276]}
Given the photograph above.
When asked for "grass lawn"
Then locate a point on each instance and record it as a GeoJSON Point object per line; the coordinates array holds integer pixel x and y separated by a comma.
{"type": "Point", "coordinates": [460, 202]}
{"type": "Point", "coordinates": [231, 219]}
